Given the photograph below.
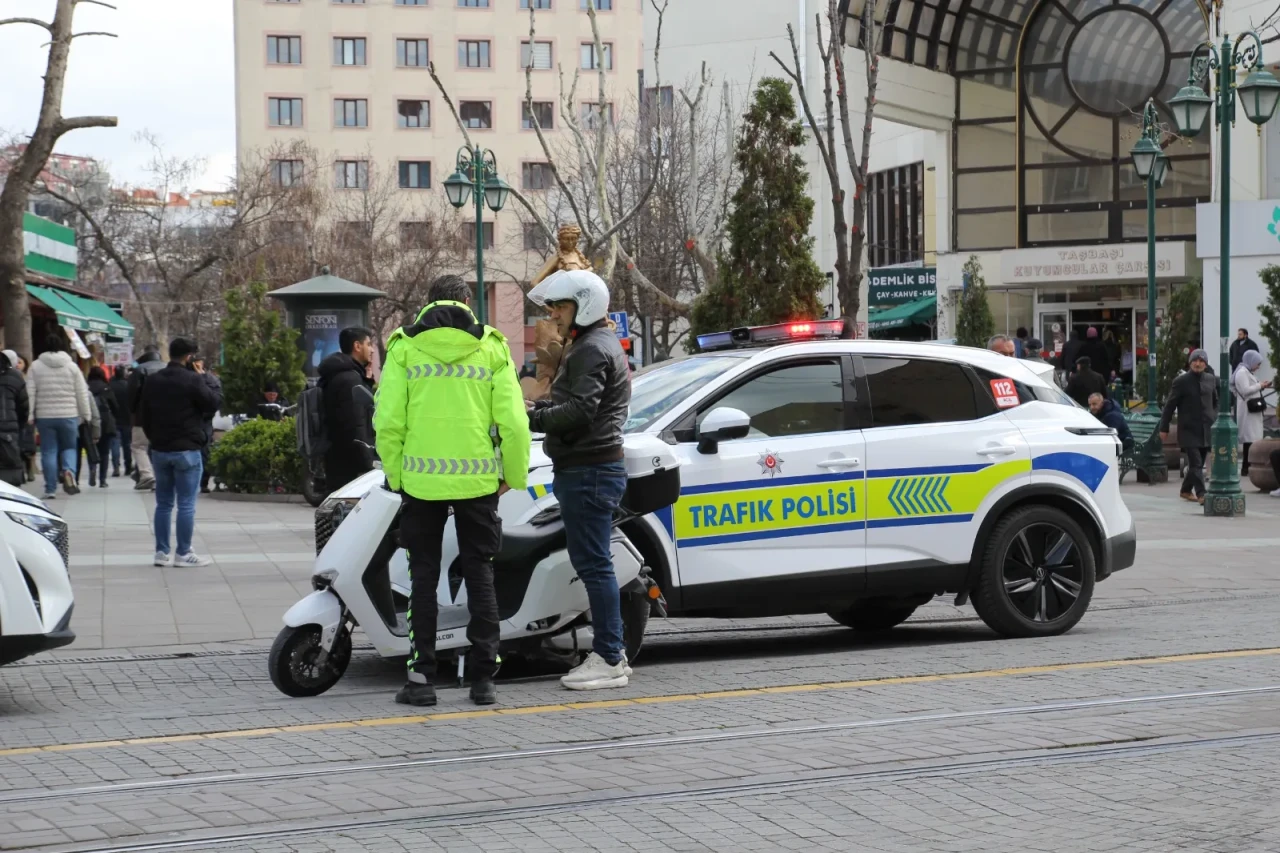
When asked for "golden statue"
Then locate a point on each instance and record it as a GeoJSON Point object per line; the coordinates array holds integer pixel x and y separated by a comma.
{"type": "Point", "coordinates": [548, 346]}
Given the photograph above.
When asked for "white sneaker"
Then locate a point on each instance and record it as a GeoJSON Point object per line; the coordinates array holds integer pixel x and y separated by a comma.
{"type": "Point", "coordinates": [191, 560]}
{"type": "Point", "coordinates": [1276, 493]}
{"type": "Point", "coordinates": [162, 559]}
{"type": "Point", "coordinates": [595, 673]}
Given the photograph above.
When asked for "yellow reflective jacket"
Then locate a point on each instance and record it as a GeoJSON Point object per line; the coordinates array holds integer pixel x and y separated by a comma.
{"type": "Point", "coordinates": [447, 382]}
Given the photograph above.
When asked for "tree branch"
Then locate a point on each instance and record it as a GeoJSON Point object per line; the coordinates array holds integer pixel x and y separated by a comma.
{"type": "Point", "coordinates": [797, 78]}
{"type": "Point", "coordinates": [66, 125]}
{"type": "Point", "coordinates": [37, 22]}
{"type": "Point", "coordinates": [520, 197]}
{"type": "Point", "coordinates": [94, 2]}
{"type": "Point", "coordinates": [643, 280]}
{"type": "Point", "coordinates": [431, 69]}
{"type": "Point", "coordinates": [94, 33]}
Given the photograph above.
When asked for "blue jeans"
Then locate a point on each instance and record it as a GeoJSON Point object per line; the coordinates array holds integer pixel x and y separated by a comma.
{"type": "Point", "coordinates": [121, 445]}
{"type": "Point", "coordinates": [59, 444]}
{"type": "Point", "coordinates": [177, 475]}
{"type": "Point", "coordinates": [589, 496]}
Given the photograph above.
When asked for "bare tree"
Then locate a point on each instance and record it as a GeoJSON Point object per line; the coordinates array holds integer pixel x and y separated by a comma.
{"type": "Point", "coordinates": [51, 125]}
{"type": "Point", "coordinates": [849, 239]}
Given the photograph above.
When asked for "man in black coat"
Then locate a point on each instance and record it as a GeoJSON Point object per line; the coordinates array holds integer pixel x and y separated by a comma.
{"type": "Point", "coordinates": [1084, 382]}
{"type": "Point", "coordinates": [1194, 397]}
{"type": "Point", "coordinates": [1096, 351]}
{"type": "Point", "coordinates": [123, 445]}
{"type": "Point", "coordinates": [1241, 345]}
{"type": "Point", "coordinates": [14, 411]}
{"type": "Point", "coordinates": [348, 408]}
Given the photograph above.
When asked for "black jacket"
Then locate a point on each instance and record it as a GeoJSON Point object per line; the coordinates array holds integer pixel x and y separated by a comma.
{"type": "Point", "coordinates": [1114, 418]}
{"type": "Point", "coordinates": [1099, 358]}
{"type": "Point", "coordinates": [119, 386]}
{"type": "Point", "coordinates": [1237, 350]}
{"type": "Point", "coordinates": [1194, 396]}
{"type": "Point", "coordinates": [149, 363]}
{"type": "Point", "coordinates": [1070, 352]}
{"type": "Point", "coordinates": [14, 406]}
{"type": "Point", "coordinates": [215, 386]}
{"type": "Point", "coordinates": [1083, 383]}
{"type": "Point", "coordinates": [175, 402]}
{"type": "Point", "coordinates": [107, 406]}
{"type": "Point", "coordinates": [589, 400]}
{"type": "Point", "coordinates": [348, 401]}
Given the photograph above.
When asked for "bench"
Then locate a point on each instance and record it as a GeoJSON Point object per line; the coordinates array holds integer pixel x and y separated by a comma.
{"type": "Point", "coordinates": [1144, 433]}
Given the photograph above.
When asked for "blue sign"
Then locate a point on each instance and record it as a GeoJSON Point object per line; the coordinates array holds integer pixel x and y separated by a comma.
{"type": "Point", "coordinates": [621, 324]}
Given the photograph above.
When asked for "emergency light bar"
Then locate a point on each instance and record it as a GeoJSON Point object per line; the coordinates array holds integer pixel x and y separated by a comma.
{"type": "Point", "coordinates": [779, 333]}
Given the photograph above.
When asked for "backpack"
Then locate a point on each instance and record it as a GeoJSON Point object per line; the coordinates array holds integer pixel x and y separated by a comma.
{"type": "Point", "coordinates": [104, 411]}
{"type": "Point", "coordinates": [313, 433]}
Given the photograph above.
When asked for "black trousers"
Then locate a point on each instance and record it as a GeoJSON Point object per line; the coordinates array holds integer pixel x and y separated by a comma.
{"type": "Point", "coordinates": [479, 531]}
{"type": "Point", "coordinates": [1193, 483]}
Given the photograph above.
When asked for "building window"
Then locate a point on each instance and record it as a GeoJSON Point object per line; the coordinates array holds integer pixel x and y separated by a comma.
{"type": "Point", "coordinates": [351, 234]}
{"type": "Point", "coordinates": [415, 175]}
{"type": "Point", "coordinates": [474, 4]}
{"type": "Point", "coordinates": [284, 50]}
{"type": "Point", "coordinates": [350, 112]}
{"type": "Point", "coordinates": [469, 234]}
{"type": "Point", "coordinates": [349, 2]}
{"type": "Point", "coordinates": [536, 56]}
{"type": "Point", "coordinates": [414, 114]}
{"type": "Point", "coordinates": [536, 176]}
{"type": "Point", "coordinates": [895, 215]}
{"type": "Point", "coordinates": [587, 56]}
{"type": "Point", "coordinates": [544, 111]}
{"type": "Point", "coordinates": [666, 97]}
{"type": "Point", "coordinates": [601, 5]}
{"type": "Point", "coordinates": [411, 53]}
{"type": "Point", "coordinates": [535, 4]}
{"type": "Point", "coordinates": [349, 51]}
{"type": "Point", "coordinates": [284, 112]}
{"type": "Point", "coordinates": [411, 2]}
{"type": "Point", "coordinates": [416, 235]}
{"type": "Point", "coordinates": [535, 239]}
{"type": "Point", "coordinates": [473, 54]}
{"type": "Point", "coordinates": [476, 114]}
{"type": "Point", "coordinates": [351, 174]}
{"type": "Point", "coordinates": [590, 114]}
{"type": "Point", "coordinates": [286, 173]}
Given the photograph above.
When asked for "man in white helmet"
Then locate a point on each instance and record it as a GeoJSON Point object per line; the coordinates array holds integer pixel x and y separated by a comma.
{"type": "Point", "coordinates": [583, 426]}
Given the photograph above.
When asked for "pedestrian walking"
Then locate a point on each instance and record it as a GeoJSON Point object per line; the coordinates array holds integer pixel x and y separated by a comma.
{"type": "Point", "coordinates": [212, 380]}
{"type": "Point", "coordinates": [1020, 342]}
{"type": "Point", "coordinates": [1250, 405]}
{"type": "Point", "coordinates": [14, 411]}
{"type": "Point", "coordinates": [149, 363]}
{"type": "Point", "coordinates": [60, 403]}
{"type": "Point", "coordinates": [1085, 381]}
{"type": "Point", "coordinates": [448, 381]}
{"type": "Point", "coordinates": [1070, 352]}
{"type": "Point", "coordinates": [122, 446]}
{"type": "Point", "coordinates": [174, 404]}
{"type": "Point", "coordinates": [27, 434]}
{"type": "Point", "coordinates": [1096, 351]}
{"type": "Point", "coordinates": [1241, 345]}
{"type": "Point", "coordinates": [110, 417]}
{"type": "Point", "coordinates": [583, 426]}
{"type": "Point", "coordinates": [1194, 398]}
{"type": "Point", "coordinates": [1109, 412]}
{"type": "Point", "coordinates": [348, 408]}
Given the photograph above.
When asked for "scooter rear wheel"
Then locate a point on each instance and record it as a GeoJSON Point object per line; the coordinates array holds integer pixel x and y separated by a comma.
{"type": "Point", "coordinates": [292, 662]}
{"type": "Point", "coordinates": [635, 619]}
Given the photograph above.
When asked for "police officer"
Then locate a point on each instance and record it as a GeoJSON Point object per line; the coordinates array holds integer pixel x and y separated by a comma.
{"type": "Point", "coordinates": [448, 380]}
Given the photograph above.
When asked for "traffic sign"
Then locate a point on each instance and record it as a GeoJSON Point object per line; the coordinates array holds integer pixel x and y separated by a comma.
{"type": "Point", "coordinates": [618, 320]}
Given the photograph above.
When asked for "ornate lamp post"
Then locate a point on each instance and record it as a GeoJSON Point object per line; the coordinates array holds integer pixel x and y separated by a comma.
{"type": "Point", "coordinates": [1150, 162]}
{"type": "Point", "coordinates": [1259, 94]}
{"type": "Point", "coordinates": [477, 173]}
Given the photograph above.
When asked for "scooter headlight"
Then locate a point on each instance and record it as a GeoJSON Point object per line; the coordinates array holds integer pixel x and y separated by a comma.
{"type": "Point", "coordinates": [325, 579]}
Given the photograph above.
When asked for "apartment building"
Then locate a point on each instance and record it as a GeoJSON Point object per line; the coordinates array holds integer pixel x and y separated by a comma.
{"type": "Point", "coordinates": [350, 79]}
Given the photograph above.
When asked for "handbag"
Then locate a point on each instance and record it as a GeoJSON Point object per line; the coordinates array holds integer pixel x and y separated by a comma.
{"type": "Point", "coordinates": [1256, 405]}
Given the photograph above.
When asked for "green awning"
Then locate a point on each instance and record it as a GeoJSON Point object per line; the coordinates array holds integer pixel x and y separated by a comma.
{"type": "Point", "coordinates": [907, 314]}
{"type": "Point", "coordinates": [101, 317]}
{"type": "Point", "coordinates": [82, 313]}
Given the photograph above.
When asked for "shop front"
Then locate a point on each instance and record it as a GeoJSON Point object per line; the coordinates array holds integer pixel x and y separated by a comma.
{"type": "Point", "coordinates": [902, 303]}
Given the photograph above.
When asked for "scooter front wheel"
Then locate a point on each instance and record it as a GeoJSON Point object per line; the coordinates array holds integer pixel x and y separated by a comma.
{"type": "Point", "coordinates": [294, 662]}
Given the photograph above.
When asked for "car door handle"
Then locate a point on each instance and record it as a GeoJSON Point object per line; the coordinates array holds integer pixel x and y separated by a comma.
{"type": "Point", "coordinates": [1000, 450]}
{"type": "Point", "coordinates": [842, 462]}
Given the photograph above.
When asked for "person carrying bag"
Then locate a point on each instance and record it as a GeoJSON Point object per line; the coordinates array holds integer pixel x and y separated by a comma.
{"type": "Point", "coordinates": [1250, 405]}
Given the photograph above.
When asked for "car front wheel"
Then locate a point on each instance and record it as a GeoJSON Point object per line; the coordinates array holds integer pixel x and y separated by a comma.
{"type": "Point", "coordinates": [1037, 577]}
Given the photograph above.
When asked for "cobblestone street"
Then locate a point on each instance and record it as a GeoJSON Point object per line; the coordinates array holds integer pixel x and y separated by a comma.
{"type": "Point", "coordinates": [1153, 725]}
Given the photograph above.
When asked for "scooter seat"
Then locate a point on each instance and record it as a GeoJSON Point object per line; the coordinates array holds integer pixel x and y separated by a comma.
{"type": "Point", "coordinates": [526, 544]}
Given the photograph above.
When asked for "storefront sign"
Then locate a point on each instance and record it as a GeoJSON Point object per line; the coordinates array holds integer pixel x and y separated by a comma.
{"type": "Point", "coordinates": [896, 285]}
{"type": "Point", "coordinates": [1255, 229]}
{"type": "Point", "coordinates": [1075, 264]}
{"type": "Point", "coordinates": [118, 354]}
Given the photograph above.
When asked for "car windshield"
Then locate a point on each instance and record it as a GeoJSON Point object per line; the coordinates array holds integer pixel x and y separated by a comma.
{"type": "Point", "coordinates": [657, 389]}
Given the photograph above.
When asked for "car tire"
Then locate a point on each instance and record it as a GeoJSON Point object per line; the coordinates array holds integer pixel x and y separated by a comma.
{"type": "Point", "coordinates": [874, 615]}
{"type": "Point", "coordinates": [1037, 574]}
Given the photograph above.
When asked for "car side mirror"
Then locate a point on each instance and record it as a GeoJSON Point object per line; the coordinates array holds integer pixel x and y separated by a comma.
{"type": "Point", "coordinates": [722, 424]}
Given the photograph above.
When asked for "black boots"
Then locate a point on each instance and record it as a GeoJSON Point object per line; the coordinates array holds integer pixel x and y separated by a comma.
{"type": "Point", "coordinates": [483, 692]}
{"type": "Point", "coordinates": [415, 693]}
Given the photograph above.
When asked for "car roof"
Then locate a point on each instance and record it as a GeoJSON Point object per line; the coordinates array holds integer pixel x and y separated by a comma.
{"type": "Point", "coordinates": [986, 359]}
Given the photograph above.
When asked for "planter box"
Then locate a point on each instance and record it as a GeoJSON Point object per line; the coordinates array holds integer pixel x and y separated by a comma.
{"type": "Point", "coordinates": [1260, 473]}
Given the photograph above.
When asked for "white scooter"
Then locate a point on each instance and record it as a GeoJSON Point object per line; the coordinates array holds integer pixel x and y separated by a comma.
{"type": "Point", "coordinates": [362, 577]}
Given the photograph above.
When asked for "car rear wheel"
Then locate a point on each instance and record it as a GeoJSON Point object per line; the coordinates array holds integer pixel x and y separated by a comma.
{"type": "Point", "coordinates": [874, 615]}
{"type": "Point", "coordinates": [1038, 571]}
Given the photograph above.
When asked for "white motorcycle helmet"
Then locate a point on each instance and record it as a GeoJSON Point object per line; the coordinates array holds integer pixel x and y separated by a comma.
{"type": "Point", "coordinates": [581, 287]}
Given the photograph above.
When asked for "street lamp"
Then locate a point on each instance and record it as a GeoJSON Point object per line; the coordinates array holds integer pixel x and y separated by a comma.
{"type": "Point", "coordinates": [1150, 162]}
{"type": "Point", "coordinates": [477, 175]}
{"type": "Point", "coordinates": [1258, 95]}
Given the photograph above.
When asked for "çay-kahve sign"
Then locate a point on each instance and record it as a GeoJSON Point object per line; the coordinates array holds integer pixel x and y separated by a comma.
{"type": "Point", "coordinates": [896, 285]}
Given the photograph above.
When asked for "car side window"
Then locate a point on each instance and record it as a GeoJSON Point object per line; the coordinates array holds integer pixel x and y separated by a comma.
{"type": "Point", "coordinates": [910, 391]}
{"type": "Point", "coordinates": [796, 399]}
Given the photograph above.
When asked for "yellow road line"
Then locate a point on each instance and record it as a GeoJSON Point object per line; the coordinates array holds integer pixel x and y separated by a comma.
{"type": "Point", "coordinates": [602, 704]}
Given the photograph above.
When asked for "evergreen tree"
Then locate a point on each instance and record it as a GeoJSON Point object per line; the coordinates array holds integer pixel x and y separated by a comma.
{"type": "Point", "coordinates": [767, 273]}
{"type": "Point", "coordinates": [1270, 313]}
{"type": "Point", "coordinates": [257, 348]}
{"type": "Point", "coordinates": [974, 323]}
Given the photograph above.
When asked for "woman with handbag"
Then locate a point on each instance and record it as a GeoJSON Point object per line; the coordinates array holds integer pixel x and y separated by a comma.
{"type": "Point", "coordinates": [1250, 405]}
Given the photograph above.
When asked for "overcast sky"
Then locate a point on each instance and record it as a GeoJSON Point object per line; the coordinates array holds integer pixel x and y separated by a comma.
{"type": "Point", "coordinates": [170, 72]}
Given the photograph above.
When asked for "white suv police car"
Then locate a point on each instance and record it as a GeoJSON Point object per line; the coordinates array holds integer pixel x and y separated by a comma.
{"type": "Point", "coordinates": [860, 478]}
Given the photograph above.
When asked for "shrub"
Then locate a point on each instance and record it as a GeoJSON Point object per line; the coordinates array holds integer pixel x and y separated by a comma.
{"type": "Point", "coordinates": [259, 457]}
{"type": "Point", "coordinates": [974, 323]}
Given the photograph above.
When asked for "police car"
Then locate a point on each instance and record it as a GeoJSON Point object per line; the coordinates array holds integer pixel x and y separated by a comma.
{"type": "Point", "coordinates": [861, 478]}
